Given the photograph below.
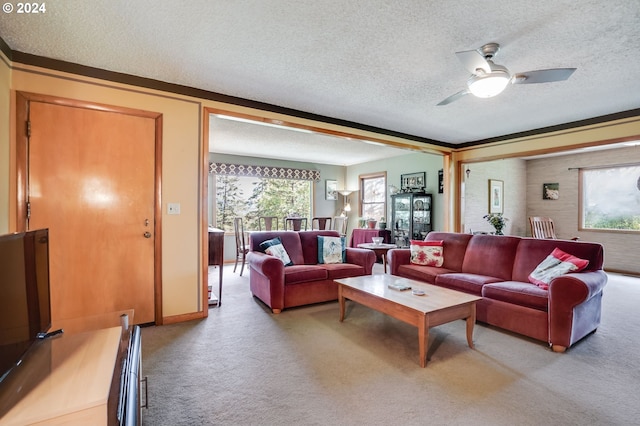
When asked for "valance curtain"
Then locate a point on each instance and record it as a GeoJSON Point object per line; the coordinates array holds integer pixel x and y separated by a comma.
{"type": "Point", "coordinates": [263, 171]}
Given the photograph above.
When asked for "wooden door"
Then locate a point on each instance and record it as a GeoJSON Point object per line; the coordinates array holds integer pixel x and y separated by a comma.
{"type": "Point", "coordinates": [92, 182]}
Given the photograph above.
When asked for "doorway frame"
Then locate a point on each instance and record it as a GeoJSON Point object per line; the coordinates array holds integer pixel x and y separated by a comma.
{"type": "Point", "coordinates": [284, 120]}
{"type": "Point", "coordinates": [22, 167]}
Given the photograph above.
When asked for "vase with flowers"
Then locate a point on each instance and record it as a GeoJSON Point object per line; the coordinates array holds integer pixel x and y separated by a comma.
{"type": "Point", "coordinates": [497, 221]}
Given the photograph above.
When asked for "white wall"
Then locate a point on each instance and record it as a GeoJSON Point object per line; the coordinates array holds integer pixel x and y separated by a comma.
{"type": "Point", "coordinates": [396, 166]}
{"type": "Point", "coordinates": [476, 195]}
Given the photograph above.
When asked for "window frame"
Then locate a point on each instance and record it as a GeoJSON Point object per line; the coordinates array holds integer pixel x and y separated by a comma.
{"type": "Point", "coordinates": [312, 194]}
{"type": "Point", "coordinates": [582, 201]}
{"type": "Point", "coordinates": [361, 181]}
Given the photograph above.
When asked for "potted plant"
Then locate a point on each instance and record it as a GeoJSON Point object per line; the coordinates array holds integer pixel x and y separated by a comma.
{"type": "Point", "coordinates": [371, 223]}
{"type": "Point", "coordinates": [382, 223]}
{"type": "Point", "coordinates": [497, 221]}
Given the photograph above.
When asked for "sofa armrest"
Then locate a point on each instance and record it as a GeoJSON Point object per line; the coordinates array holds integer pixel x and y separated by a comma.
{"type": "Point", "coordinates": [362, 257]}
{"type": "Point", "coordinates": [397, 257]}
{"type": "Point", "coordinates": [574, 306]}
{"type": "Point", "coordinates": [268, 266]}
{"type": "Point", "coordinates": [570, 290]}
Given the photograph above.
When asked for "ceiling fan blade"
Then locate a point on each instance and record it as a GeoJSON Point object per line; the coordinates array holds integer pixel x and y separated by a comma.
{"type": "Point", "coordinates": [542, 76]}
{"type": "Point", "coordinates": [453, 97]}
{"type": "Point", "coordinates": [473, 60]}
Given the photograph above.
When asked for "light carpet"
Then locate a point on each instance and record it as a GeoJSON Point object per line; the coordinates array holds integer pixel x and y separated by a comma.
{"type": "Point", "coordinates": [245, 366]}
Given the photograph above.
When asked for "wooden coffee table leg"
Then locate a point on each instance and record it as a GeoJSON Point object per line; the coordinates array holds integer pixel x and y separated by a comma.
{"type": "Point", "coordinates": [471, 320]}
{"type": "Point", "coordinates": [423, 340]}
{"type": "Point", "coordinates": [341, 302]}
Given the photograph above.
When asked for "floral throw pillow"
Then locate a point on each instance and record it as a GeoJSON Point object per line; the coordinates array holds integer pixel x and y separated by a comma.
{"type": "Point", "coordinates": [427, 253]}
{"type": "Point", "coordinates": [332, 250]}
{"type": "Point", "coordinates": [275, 248]}
{"type": "Point", "coordinates": [556, 264]}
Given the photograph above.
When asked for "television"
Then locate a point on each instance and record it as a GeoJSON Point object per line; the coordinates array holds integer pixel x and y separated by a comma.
{"type": "Point", "coordinates": [25, 308]}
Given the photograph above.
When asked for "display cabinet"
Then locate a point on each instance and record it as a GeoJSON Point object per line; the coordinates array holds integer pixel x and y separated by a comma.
{"type": "Point", "coordinates": [411, 213]}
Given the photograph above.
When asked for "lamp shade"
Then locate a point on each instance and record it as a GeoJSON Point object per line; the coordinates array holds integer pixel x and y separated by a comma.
{"type": "Point", "coordinates": [488, 85]}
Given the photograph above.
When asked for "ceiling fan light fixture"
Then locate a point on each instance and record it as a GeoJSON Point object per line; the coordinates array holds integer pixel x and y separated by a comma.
{"type": "Point", "coordinates": [488, 85]}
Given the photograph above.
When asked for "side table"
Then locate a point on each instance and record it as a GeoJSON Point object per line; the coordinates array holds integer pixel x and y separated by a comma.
{"type": "Point", "coordinates": [379, 250]}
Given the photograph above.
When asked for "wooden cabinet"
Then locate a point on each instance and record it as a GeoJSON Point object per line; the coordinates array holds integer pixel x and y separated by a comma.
{"type": "Point", "coordinates": [76, 379]}
{"type": "Point", "coordinates": [216, 257]}
{"type": "Point", "coordinates": [411, 217]}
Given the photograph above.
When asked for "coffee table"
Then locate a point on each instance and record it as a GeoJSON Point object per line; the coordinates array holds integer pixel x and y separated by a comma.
{"type": "Point", "coordinates": [437, 306]}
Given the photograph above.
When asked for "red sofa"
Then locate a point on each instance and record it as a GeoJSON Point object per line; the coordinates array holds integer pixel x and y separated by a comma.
{"type": "Point", "coordinates": [497, 269]}
{"type": "Point", "coordinates": [306, 281]}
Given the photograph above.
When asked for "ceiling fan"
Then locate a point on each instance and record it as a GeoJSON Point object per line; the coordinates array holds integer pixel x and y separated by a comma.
{"type": "Point", "coordinates": [490, 79]}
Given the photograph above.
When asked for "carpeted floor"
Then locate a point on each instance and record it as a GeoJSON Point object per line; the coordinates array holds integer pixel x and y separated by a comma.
{"type": "Point", "coordinates": [245, 366]}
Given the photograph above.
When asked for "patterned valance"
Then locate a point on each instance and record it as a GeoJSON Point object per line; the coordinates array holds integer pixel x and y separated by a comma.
{"type": "Point", "coordinates": [263, 171]}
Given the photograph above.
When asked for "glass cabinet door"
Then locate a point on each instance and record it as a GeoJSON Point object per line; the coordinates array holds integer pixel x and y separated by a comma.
{"type": "Point", "coordinates": [402, 219]}
{"type": "Point", "coordinates": [411, 217]}
{"type": "Point", "coordinates": [421, 221]}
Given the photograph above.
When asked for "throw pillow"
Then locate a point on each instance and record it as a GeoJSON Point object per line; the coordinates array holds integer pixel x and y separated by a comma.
{"type": "Point", "coordinates": [428, 253]}
{"type": "Point", "coordinates": [332, 250]}
{"type": "Point", "coordinates": [556, 264]}
{"type": "Point", "coordinates": [275, 248]}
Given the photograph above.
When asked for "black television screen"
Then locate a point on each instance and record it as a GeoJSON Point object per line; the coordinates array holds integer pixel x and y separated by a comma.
{"type": "Point", "coordinates": [25, 308]}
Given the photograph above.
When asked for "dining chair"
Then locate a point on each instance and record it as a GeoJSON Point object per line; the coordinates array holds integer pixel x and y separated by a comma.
{"type": "Point", "coordinates": [542, 227]}
{"type": "Point", "coordinates": [340, 224]}
{"type": "Point", "coordinates": [241, 246]}
{"type": "Point", "coordinates": [321, 223]}
{"type": "Point", "coordinates": [270, 223]}
{"type": "Point", "coordinates": [295, 223]}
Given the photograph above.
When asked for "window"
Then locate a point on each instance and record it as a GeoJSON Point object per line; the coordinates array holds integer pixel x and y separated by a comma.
{"type": "Point", "coordinates": [611, 198]}
{"type": "Point", "coordinates": [251, 197]}
{"type": "Point", "coordinates": [373, 188]}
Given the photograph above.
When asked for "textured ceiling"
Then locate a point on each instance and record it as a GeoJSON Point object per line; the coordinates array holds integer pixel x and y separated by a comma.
{"type": "Point", "coordinates": [373, 62]}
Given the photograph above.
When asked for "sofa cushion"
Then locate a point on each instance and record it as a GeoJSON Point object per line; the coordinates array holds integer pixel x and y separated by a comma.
{"type": "Point", "coordinates": [556, 264]}
{"type": "Point", "coordinates": [454, 245]}
{"type": "Point", "coordinates": [490, 255]}
{"type": "Point", "coordinates": [519, 293]}
{"type": "Point", "coordinates": [427, 274]}
{"type": "Point", "coordinates": [469, 283]}
{"type": "Point", "coordinates": [290, 241]}
{"type": "Point", "coordinates": [532, 251]}
{"type": "Point", "coordinates": [275, 248]}
{"type": "Point", "coordinates": [331, 249]}
{"type": "Point", "coordinates": [297, 274]}
{"type": "Point", "coordinates": [309, 244]}
{"type": "Point", "coordinates": [428, 253]}
{"type": "Point", "coordinates": [343, 270]}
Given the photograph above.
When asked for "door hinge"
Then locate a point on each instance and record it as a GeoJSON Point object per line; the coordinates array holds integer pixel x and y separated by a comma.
{"type": "Point", "coordinates": [28, 210]}
{"type": "Point", "coordinates": [28, 128]}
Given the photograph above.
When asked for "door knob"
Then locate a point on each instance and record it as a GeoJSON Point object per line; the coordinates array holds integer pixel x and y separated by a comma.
{"type": "Point", "coordinates": [147, 234]}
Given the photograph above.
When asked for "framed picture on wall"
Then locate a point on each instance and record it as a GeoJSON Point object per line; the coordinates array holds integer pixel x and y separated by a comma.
{"type": "Point", "coordinates": [413, 182]}
{"type": "Point", "coordinates": [550, 191]}
{"type": "Point", "coordinates": [331, 190]}
{"type": "Point", "coordinates": [496, 196]}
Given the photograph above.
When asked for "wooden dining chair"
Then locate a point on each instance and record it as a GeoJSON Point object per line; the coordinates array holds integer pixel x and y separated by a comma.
{"type": "Point", "coordinates": [542, 227]}
{"type": "Point", "coordinates": [340, 225]}
{"type": "Point", "coordinates": [295, 223]}
{"type": "Point", "coordinates": [270, 223]}
{"type": "Point", "coordinates": [241, 246]}
{"type": "Point", "coordinates": [321, 223]}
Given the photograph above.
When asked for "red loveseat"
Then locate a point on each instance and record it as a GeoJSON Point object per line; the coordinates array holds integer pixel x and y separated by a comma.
{"type": "Point", "coordinates": [497, 269]}
{"type": "Point", "coordinates": [305, 281]}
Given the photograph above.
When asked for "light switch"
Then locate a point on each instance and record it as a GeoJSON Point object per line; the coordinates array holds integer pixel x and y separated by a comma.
{"type": "Point", "coordinates": [173, 208]}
